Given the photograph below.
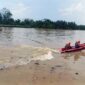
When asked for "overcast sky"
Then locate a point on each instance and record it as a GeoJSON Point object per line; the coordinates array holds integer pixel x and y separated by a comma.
{"type": "Point", "coordinates": [69, 10]}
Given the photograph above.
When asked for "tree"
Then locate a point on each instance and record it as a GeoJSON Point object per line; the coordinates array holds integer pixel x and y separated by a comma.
{"type": "Point", "coordinates": [0, 18]}
{"type": "Point", "coordinates": [47, 23]}
{"type": "Point", "coordinates": [17, 22]}
{"type": "Point", "coordinates": [6, 14]}
{"type": "Point", "coordinates": [61, 24]}
{"type": "Point", "coordinates": [72, 25]}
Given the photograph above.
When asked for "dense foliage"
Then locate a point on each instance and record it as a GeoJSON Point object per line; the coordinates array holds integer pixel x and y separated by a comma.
{"type": "Point", "coordinates": [7, 20]}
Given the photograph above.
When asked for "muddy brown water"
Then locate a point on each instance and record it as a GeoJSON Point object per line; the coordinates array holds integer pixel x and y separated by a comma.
{"type": "Point", "coordinates": [21, 45]}
{"type": "Point", "coordinates": [36, 52]}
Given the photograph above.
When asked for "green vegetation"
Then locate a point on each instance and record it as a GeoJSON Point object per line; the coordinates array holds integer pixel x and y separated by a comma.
{"type": "Point", "coordinates": [6, 20]}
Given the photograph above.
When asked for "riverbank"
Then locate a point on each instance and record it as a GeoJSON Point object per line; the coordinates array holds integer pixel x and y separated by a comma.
{"type": "Point", "coordinates": [80, 27]}
{"type": "Point", "coordinates": [18, 26]}
{"type": "Point", "coordinates": [46, 67]}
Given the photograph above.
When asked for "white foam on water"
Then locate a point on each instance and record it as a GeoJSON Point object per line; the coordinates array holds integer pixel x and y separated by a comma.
{"type": "Point", "coordinates": [47, 56]}
{"type": "Point", "coordinates": [24, 61]}
{"type": "Point", "coordinates": [56, 51]}
{"type": "Point", "coordinates": [25, 54]}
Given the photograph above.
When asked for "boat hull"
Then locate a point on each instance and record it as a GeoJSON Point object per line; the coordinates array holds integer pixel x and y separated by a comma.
{"type": "Point", "coordinates": [73, 49]}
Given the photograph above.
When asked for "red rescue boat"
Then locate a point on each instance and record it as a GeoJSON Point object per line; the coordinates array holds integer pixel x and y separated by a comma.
{"type": "Point", "coordinates": [73, 49]}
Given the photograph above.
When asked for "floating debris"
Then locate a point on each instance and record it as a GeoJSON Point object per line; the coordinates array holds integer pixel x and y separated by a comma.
{"type": "Point", "coordinates": [37, 63]}
{"type": "Point", "coordinates": [76, 73]}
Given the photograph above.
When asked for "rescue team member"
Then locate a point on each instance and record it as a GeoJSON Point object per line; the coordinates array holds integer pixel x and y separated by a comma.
{"type": "Point", "coordinates": [68, 46]}
{"type": "Point", "coordinates": [77, 44]}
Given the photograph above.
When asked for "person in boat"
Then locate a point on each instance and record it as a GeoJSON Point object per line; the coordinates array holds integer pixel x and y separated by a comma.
{"type": "Point", "coordinates": [68, 46]}
{"type": "Point", "coordinates": [77, 44]}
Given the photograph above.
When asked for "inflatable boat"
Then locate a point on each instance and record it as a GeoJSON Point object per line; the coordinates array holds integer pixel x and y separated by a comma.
{"type": "Point", "coordinates": [73, 49]}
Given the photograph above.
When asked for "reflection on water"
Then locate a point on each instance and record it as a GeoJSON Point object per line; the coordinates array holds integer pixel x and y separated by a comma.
{"type": "Point", "coordinates": [6, 36]}
{"type": "Point", "coordinates": [37, 37]}
{"type": "Point", "coordinates": [75, 55]}
{"type": "Point", "coordinates": [75, 61]}
{"type": "Point", "coordinates": [51, 38]}
{"type": "Point", "coordinates": [50, 32]}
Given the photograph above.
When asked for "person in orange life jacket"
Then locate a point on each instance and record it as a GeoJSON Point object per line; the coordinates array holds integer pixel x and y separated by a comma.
{"type": "Point", "coordinates": [68, 46]}
{"type": "Point", "coordinates": [77, 44]}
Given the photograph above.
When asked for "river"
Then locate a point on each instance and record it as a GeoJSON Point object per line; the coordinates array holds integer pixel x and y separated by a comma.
{"type": "Point", "coordinates": [51, 38]}
{"type": "Point", "coordinates": [38, 44]}
{"type": "Point", "coordinates": [37, 52]}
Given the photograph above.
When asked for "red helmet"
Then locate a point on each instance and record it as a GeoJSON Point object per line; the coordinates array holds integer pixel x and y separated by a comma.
{"type": "Point", "coordinates": [78, 41]}
{"type": "Point", "coordinates": [69, 43]}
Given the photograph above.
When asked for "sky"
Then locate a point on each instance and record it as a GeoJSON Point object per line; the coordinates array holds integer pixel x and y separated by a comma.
{"type": "Point", "coordinates": [69, 10]}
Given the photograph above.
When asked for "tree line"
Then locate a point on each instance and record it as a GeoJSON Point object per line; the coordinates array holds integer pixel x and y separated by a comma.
{"type": "Point", "coordinates": [7, 20]}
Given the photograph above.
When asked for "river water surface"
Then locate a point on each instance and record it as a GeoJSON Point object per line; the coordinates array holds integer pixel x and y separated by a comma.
{"type": "Point", "coordinates": [33, 43]}
{"type": "Point", "coordinates": [51, 38]}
